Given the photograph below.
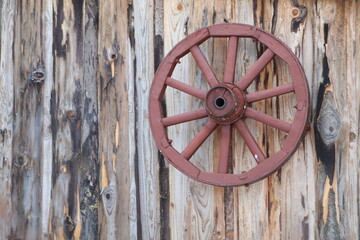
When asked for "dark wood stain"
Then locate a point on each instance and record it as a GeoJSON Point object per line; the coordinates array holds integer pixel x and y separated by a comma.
{"type": "Point", "coordinates": [60, 49]}
{"type": "Point", "coordinates": [274, 17]}
{"type": "Point", "coordinates": [331, 229]}
{"type": "Point", "coordinates": [78, 27]}
{"type": "Point", "coordinates": [325, 153]}
{"type": "Point", "coordinates": [297, 21]}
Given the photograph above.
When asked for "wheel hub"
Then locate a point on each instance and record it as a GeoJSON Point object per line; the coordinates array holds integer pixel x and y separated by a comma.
{"type": "Point", "coordinates": [225, 103]}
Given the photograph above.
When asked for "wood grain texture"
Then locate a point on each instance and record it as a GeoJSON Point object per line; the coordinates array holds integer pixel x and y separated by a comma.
{"type": "Point", "coordinates": [134, 204]}
{"type": "Point", "coordinates": [77, 158]}
{"type": "Point", "coordinates": [47, 150]}
{"type": "Point", "coordinates": [115, 181]}
{"type": "Point", "coordinates": [29, 77]}
{"type": "Point", "coordinates": [249, 214]}
{"type": "Point", "coordinates": [342, 67]}
{"type": "Point", "coordinates": [89, 165]}
{"type": "Point", "coordinates": [189, 199]}
{"type": "Point", "coordinates": [7, 14]}
{"type": "Point", "coordinates": [67, 114]}
{"type": "Point", "coordinates": [147, 153]}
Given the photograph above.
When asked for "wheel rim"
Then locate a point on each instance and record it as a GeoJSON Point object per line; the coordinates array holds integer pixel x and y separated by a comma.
{"type": "Point", "coordinates": [227, 105]}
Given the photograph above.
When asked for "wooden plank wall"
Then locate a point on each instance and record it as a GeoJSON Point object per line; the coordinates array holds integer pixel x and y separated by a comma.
{"type": "Point", "coordinates": [77, 158]}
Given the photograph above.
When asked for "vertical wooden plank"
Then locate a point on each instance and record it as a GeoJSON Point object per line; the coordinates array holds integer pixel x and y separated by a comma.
{"type": "Point", "coordinates": [7, 9]}
{"type": "Point", "coordinates": [89, 165]}
{"type": "Point", "coordinates": [330, 225]}
{"type": "Point", "coordinates": [148, 163]}
{"type": "Point", "coordinates": [134, 204]}
{"type": "Point", "coordinates": [340, 216]}
{"type": "Point", "coordinates": [47, 150]}
{"type": "Point", "coordinates": [250, 208]}
{"type": "Point", "coordinates": [67, 119]}
{"type": "Point", "coordinates": [116, 181]}
{"type": "Point", "coordinates": [347, 148]}
{"type": "Point", "coordinates": [192, 214]}
{"type": "Point", "coordinates": [163, 163]}
{"type": "Point", "coordinates": [174, 31]}
{"type": "Point", "coordinates": [294, 185]}
{"type": "Point", "coordinates": [29, 78]}
{"type": "Point", "coordinates": [221, 228]}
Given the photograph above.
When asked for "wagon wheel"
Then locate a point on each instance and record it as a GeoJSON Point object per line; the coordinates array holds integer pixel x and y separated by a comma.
{"type": "Point", "coordinates": [227, 105]}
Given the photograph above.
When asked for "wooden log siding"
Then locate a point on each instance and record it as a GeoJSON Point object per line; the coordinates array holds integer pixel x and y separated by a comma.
{"type": "Point", "coordinates": [77, 159]}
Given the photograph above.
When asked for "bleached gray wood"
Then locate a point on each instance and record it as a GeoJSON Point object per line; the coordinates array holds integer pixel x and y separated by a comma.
{"type": "Point", "coordinates": [7, 11]}
{"type": "Point", "coordinates": [47, 150]}
{"type": "Point", "coordinates": [147, 152]}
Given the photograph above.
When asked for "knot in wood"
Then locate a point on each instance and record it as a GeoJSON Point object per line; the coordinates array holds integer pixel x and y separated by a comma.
{"type": "Point", "coordinates": [70, 114]}
{"type": "Point", "coordinates": [329, 121]}
{"type": "Point", "coordinates": [3, 133]}
{"type": "Point", "coordinates": [352, 136]}
{"type": "Point", "coordinates": [108, 196]}
{"type": "Point", "coordinates": [38, 75]}
{"type": "Point", "coordinates": [299, 15]}
{"type": "Point", "coordinates": [295, 12]}
{"type": "Point", "coordinates": [21, 160]}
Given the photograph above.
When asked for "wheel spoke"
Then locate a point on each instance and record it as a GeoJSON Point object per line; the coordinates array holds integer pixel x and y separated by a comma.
{"type": "Point", "coordinates": [250, 141]}
{"type": "Point", "coordinates": [195, 92]}
{"type": "Point", "coordinates": [184, 117]}
{"type": "Point", "coordinates": [225, 148]}
{"type": "Point", "coordinates": [199, 139]}
{"type": "Point", "coordinates": [258, 66]}
{"type": "Point", "coordinates": [204, 66]}
{"type": "Point", "coordinates": [268, 93]}
{"type": "Point", "coordinates": [229, 72]}
{"type": "Point", "coordinates": [268, 120]}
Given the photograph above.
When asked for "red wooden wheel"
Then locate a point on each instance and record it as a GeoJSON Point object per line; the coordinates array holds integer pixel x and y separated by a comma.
{"type": "Point", "coordinates": [227, 105]}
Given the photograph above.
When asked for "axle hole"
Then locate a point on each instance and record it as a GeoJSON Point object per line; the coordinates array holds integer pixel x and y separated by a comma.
{"type": "Point", "coordinates": [220, 102]}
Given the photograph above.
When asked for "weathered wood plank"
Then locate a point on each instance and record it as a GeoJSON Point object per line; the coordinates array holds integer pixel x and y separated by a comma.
{"type": "Point", "coordinates": [117, 178]}
{"type": "Point", "coordinates": [7, 12]}
{"type": "Point", "coordinates": [339, 201]}
{"type": "Point", "coordinates": [148, 162]}
{"type": "Point", "coordinates": [89, 166]}
{"type": "Point", "coordinates": [294, 187]}
{"type": "Point", "coordinates": [220, 51]}
{"type": "Point", "coordinates": [47, 150]}
{"type": "Point", "coordinates": [163, 164]}
{"type": "Point", "coordinates": [67, 119]}
{"type": "Point", "coordinates": [192, 214]}
{"type": "Point", "coordinates": [29, 77]}
{"type": "Point", "coordinates": [251, 218]}
{"type": "Point", "coordinates": [135, 220]}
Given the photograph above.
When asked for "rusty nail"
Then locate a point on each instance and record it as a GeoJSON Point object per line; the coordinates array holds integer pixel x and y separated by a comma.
{"type": "Point", "coordinates": [20, 160]}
